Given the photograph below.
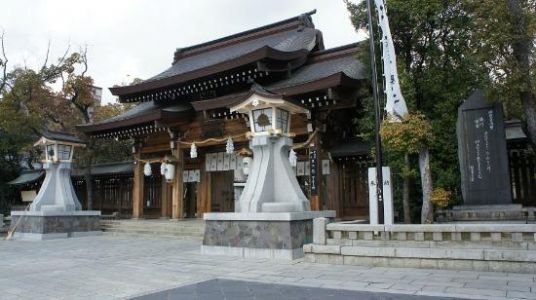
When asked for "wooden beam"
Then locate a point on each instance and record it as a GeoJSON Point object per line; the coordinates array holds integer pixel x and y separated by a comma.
{"type": "Point", "coordinates": [137, 189]}
{"type": "Point", "coordinates": [177, 207]}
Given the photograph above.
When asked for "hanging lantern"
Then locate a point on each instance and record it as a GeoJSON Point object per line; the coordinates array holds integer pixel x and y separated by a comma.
{"type": "Point", "coordinates": [292, 158]}
{"type": "Point", "coordinates": [170, 172]}
{"type": "Point", "coordinates": [193, 151]}
{"type": "Point", "coordinates": [163, 168]}
{"type": "Point", "coordinates": [246, 164]}
{"type": "Point", "coordinates": [147, 169]}
{"type": "Point", "coordinates": [229, 148]}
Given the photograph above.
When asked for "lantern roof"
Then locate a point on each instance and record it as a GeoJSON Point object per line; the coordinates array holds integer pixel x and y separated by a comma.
{"type": "Point", "coordinates": [261, 98]}
{"type": "Point", "coordinates": [49, 136]}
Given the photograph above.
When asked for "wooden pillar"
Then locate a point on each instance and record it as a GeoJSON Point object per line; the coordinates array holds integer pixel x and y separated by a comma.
{"type": "Point", "coordinates": [165, 210]}
{"type": "Point", "coordinates": [137, 189]}
{"type": "Point", "coordinates": [201, 192]}
{"type": "Point", "coordinates": [316, 199]}
{"type": "Point", "coordinates": [177, 206]}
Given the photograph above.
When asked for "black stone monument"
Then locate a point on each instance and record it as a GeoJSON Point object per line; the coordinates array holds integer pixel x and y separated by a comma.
{"type": "Point", "coordinates": [482, 152]}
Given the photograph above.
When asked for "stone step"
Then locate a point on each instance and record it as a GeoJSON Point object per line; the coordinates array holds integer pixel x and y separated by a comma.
{"type": "Point", "coordinates": [188, 229]}
{"type": "Point", "coordinates": [171, 225]}
{"type": "Point", "coordinates": [159, 234]}
{"type": "Point", "coordinates": [162, 223]}
{"type": "Point", "coordinates": [483, 244]}
{"type": "Point", "coordinates": [155, 232]}
{"type": "Point", "coordinates": [510, 255]}
{"type": "Point", "coordinates": [155, 228]}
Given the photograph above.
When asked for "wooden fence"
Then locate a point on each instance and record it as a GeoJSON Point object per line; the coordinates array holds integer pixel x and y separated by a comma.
{"type": "Point", "coordinates": [523, 176]}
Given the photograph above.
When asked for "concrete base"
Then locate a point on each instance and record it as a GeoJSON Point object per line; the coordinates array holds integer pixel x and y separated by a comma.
{"type": "Point", "coordinates": [482, 213]}
{"type": "Point", "coordinates": [260, 235]}
{"type": "Point", "coordinates": [45, 225]}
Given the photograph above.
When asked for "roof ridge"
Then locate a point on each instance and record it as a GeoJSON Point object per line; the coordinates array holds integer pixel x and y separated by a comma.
{"type": "Point", "coordinates": [303, 20]}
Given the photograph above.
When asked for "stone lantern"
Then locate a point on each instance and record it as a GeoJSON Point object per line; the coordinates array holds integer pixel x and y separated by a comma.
{"type": "Point", "coordinates": [271, 184]}
{"type": "Point", "coordinates": [57, 192]}
{"type": "Point", "coordinates": [273, 218]}
{"type": "Point", "coordinates": [55, 212]}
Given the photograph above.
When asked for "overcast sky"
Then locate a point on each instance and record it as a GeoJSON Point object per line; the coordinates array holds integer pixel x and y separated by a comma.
{"type": "Point", "coordinates": [137, 38]}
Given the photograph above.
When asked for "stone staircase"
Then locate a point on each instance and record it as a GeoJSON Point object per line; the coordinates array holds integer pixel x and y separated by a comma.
{"type": "Point", "coordinates": [190, 229]}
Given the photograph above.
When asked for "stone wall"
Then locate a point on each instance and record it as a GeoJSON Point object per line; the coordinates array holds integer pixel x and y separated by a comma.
{"type": "Point", "coordinates": [479, 247]}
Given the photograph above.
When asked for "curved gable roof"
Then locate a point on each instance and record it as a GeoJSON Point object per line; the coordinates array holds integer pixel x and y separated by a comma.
{"type": "Point", "coordinates": [286, 40]}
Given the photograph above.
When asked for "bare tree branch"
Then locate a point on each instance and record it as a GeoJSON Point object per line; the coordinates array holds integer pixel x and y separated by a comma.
{"type": "Point", "coordinates": [46, 56]}
{"type": "Point", "coordinates": [3, 64]}
{"type": "Point", "coordinates": [83, 58]}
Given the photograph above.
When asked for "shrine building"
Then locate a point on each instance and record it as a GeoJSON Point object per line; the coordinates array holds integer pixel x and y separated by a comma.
{"type": "Point", "coordinates": [191, 153]}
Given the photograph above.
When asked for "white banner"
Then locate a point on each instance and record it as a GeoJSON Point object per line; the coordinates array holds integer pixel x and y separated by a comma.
{"type": "Point", "coordinates": [395, 105]}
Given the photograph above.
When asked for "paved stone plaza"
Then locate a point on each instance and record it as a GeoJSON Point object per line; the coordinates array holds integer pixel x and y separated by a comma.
{"type": "Point", "coordinates": [119, 267]}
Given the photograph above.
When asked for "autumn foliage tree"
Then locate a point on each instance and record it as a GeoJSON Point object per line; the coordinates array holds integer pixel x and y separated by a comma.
{"type": "Point", "coordinates": [29, 104]}
{"type": "Point", "coordinates": [413, 136]}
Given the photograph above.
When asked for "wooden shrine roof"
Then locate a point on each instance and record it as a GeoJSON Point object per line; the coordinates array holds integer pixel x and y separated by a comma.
{"type": "Point", "coordinates": [288, 40]}
{"type": "Point", "coordinates": [325, 69]}
{"type": "Point", "coordinates": [143, 113]}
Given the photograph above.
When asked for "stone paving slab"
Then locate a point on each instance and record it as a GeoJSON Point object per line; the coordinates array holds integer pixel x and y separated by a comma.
{"type": "Point", "coordinates": [232, 289]}
{"type": "Point", "coordinates": [121, 267]}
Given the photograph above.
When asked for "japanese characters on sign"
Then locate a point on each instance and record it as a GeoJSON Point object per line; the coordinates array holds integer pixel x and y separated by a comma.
{"type": "Point", "coordinates": [313, 160]}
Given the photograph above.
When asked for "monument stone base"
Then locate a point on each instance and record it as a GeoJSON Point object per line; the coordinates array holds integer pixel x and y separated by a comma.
{"type": "Point", "coordinates": [484, 213]}
{"type": "Point", "coordinates": [45, 225]}
{"type": "Point", "coordinates": [274, 235]}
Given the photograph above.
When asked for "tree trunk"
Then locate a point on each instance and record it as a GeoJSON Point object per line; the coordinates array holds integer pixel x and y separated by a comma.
{"type": "Point", "coordinates": [522, 51]}
{"type": "Point", "coordinates": [529, 107]}
{"type": "Point", "coordinates": [405, 193]}
{"type": "Point", "coordinates": [427, 213]}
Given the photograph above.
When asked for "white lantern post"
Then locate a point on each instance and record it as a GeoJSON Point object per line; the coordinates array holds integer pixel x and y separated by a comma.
{"type": "Point", "coordinates": [55, 212]}
{"type": "Point", "coordinates": [271, 185]}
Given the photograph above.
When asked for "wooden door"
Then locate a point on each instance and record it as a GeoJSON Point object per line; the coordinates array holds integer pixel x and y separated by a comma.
{"type": "Point", "coordinates": [222, 191]}
{"type": "Point", "coordinates": [353, 189]}
{"type": "Point", "coordinates": [190, 199]}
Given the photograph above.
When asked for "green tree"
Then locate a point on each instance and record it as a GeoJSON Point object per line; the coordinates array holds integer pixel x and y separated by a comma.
{"type": "Point", "coordinates": [504, 36]}
{"type": "Point", "coordinates": [432, 39]}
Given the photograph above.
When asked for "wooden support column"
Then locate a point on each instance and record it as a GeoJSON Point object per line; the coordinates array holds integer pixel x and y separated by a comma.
{"type": "Point", "coordinates": [202, 192]}
{"type": "Point", "coordinates": [177, 207]}
{"type": "Point", "coordinates": [137, 189]}
{"type": "Point", "coordinates": [322, 180]}
{"type": "Point", "coordinates": [315, 181]}
{"type": "Point", "coordinates": [165, 211]}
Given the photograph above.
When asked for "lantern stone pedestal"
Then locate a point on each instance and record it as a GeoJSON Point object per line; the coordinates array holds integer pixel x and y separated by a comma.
{"type": "Point", "coordinates": [45, 225]}
{"type": "Point", "coordinates": [55, 211]}
{"type": "Point", "coordinates": [260, 235]}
